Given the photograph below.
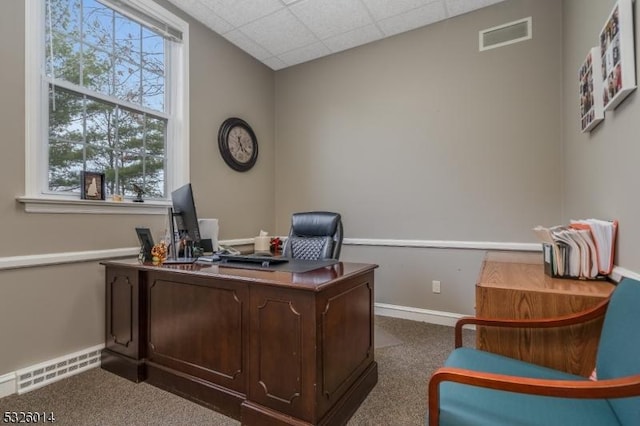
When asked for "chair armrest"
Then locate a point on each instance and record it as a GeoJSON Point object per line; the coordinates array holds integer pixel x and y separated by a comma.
{"type": "Point", "coordinates": [561, 321]}
{"type": "Point", "coordinates": [612, 388]}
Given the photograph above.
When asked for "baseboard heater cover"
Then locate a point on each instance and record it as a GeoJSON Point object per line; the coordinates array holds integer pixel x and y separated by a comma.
{"type": "Point", "coordinates": [45, 373]}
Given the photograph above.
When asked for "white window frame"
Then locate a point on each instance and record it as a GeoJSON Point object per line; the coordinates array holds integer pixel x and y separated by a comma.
{"type": "Point", "coordinates": [35, 199]}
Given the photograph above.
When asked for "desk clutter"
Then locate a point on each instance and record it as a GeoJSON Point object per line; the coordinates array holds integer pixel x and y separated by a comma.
{"type": "Point", "coordinates": [583, 249]}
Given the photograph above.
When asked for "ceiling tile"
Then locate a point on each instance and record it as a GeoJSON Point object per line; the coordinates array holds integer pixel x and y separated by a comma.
{"type": "Point", "coordinates": [248, 45]}
{"type": "Point", "coordinates": [458, 7]}
{"type": "Point", "coordinates": [353, 38]}
{"type": "Point", "coordinates": [240, 12]}
{"type": "Point", "coordinates": [381, 9]}
{"type": "Point", "coordinates": [304, 54]}
{"type": "Point", "coordinates": [415, 18]}
{"type": "Point", "coordinates": [327, 18]}
{"type": "Point", "coordinates": [274, 63]}
{"type": "Point", "coordinates": [204, 14]}
{"type": "Point", "coordinates": [279, 32]}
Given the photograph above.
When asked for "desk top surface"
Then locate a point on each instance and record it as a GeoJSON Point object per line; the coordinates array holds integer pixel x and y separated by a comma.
{"type": "Point", "coordinates": [525, 271]}
{"type": "Point", "coordinates": [312, 280]}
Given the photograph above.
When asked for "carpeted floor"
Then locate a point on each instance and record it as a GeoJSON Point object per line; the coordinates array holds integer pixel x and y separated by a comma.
{"type": "Point", "coordinates": [407, 353]}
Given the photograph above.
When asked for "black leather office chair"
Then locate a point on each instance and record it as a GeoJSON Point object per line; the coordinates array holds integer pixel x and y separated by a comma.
{"type": "Point", "coordinates": [314, 236]}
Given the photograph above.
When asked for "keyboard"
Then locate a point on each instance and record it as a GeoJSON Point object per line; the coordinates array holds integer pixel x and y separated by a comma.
{"type": "Point", "coordinates": [263, 260]}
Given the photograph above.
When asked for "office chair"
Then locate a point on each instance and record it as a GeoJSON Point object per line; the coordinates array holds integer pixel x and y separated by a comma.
{"type": "Point", "coordinates": [314, 236]}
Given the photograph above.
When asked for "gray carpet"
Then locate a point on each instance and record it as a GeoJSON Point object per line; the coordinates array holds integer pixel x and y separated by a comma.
{"type": "Point", "coordinates": [407, 354]}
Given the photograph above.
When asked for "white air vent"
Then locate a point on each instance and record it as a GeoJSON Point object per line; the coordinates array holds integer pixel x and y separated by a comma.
{"type": "Point", "coordinates": [51, 371]}
{"type": "Point", "coordinates": [505, 34]}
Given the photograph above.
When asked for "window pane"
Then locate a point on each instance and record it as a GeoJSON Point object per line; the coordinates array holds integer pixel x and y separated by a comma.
{"type": "Point", "coordinates": [65, 163]}
{"type": "Point", "coordinates": [130, 131]}
{"type": "Point", "coordinates": [152, 90]}
{"type": "Point", "coordinates": [64, 17]}
{"type": "Point", "coordinates": [153, 72]}
{"type": "Point", "coordinates": [97, 70]}
{"type": "Point", "coordinates": [66, 115]}
{"type": "Point", "coordinates": [101, 124]}
{"type": "Point", "coordinates": [127, 81]}
{"type": "Point", "coordinates": [154, 178]}
{"type": "Point", "coordinates": [156, 130]}
{"type": "Point", "coordinates": [97, 24]}
{"type": "Point", "coordinates": [128, 42]}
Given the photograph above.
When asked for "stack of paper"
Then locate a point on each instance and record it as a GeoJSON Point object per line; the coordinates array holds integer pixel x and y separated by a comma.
{"type": "Point", "coordinates": [584, 249]}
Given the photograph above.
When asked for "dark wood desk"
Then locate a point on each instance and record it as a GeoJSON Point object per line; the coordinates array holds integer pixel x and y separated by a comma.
{"type": "Point", "coordinates": [263, 347]}
{"type": "Point", "coordinates": [514, 286]}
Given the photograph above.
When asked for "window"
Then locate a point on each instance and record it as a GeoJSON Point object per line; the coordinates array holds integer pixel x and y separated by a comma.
{"type": "Point", "coordinates": [108, 94]}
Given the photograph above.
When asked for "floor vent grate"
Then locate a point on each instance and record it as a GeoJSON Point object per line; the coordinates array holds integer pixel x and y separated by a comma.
{"type": "Point", "coordinates": [36, 376]}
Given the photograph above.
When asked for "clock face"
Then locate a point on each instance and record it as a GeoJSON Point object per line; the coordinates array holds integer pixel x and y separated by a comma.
{"type": "Point", "coordinates": [238, 144]}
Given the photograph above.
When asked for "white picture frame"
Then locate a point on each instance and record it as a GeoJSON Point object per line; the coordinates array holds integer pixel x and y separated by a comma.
{"type": "Point", "coordinates": [617, 55]}
{"type": "Point", "coordinates": [589, 91]}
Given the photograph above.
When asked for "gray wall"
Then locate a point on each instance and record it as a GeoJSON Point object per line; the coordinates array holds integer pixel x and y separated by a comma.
{"type": "Point", "coordinates": [46, 312]}
{"type": "Point", "coordinates": [598, 167]}
{"type": "Point", "coordinates": [423, 137]}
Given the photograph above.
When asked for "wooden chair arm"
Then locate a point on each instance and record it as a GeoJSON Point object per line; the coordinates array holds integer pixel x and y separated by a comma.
{"type": "Point", "coordinates": [561, 321]}
{"type": "Point", "coordinates": [613, 388]}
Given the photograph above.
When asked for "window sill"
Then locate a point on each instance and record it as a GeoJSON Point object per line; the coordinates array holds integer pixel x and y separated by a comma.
{"type": "Point", "coordinates": [66, 205]}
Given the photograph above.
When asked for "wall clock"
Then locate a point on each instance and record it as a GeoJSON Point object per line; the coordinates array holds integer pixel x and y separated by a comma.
{"type": "Point", "coordinates": [238, 144]}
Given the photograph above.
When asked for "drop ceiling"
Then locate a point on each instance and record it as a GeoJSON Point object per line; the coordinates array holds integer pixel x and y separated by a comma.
{"type": "Point", "coordinates": [282, 33]}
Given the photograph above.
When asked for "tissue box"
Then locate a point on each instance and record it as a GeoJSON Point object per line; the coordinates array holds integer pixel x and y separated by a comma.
{"type": "Point", "coordinates": [262, 244]}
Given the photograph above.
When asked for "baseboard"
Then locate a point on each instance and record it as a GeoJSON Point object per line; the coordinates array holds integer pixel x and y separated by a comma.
{"type": "Point", "coordinates": [7, 384]}
{"type": "Point", "coordinates": [417, 314]}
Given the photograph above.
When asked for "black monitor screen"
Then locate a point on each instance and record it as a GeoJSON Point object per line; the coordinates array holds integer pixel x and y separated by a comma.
{"type": "Point", "coordinates": [184, 210]}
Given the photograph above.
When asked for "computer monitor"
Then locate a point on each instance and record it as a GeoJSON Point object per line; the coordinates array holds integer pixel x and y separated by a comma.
{"type": "Point", "coordinates": [184, 213]}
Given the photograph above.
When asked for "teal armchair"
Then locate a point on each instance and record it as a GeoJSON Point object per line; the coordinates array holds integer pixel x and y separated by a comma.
{"type": "Point", "coordinates": [481, 388]}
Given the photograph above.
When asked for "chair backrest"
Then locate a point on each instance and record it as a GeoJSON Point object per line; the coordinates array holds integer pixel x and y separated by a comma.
{"type": "Point", "coordinates": [314, 236]}
{"type": "Point", "coordinates": [619, 347]}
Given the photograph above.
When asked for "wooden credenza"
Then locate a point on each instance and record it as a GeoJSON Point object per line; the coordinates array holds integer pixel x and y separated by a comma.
{"type": "Point", "coordinates": [514, 286]}
{"type": "Point", "coordinates": [263, 347]}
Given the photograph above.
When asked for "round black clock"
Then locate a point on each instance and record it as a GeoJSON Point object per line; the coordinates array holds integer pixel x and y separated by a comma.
{"type": "Point", "coordinates": [238, 144]}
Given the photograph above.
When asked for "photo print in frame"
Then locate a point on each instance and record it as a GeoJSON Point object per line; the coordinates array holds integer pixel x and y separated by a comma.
{"type": "Point", "coordinates": [617, 55]}
{"type": "Point", "coordinates": [590, 87]}
{"type": "Point", "coordinates": [92, 187]}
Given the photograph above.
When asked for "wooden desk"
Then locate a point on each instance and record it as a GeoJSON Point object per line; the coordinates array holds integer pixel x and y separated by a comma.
{"type": "Point", "coordinates": [263, 347]}
{"type": "Point", "coordinates": [513, 285]}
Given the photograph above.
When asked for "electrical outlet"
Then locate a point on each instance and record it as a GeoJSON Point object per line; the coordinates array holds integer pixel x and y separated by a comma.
{"type": "Point", "coordinates": [435, 286]}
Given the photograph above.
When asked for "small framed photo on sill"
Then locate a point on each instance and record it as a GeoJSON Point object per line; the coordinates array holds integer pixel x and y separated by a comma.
{"type": "Point", "coordinates": [92, 187]}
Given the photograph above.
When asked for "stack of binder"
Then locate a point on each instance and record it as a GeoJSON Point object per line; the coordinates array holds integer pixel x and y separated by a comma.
{"type": "Point", "coordinates": [583, 249]}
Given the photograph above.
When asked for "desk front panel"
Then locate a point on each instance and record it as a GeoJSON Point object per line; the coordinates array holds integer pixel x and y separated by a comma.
{"type": "Point", "coordinates": [199, 326]}
{"type": "Point", "coordinates": [308, 349]}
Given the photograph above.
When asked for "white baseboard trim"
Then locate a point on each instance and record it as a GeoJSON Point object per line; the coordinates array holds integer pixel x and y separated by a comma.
{"type": "Point", "coordinates": [417, 314]}
{"type": "Point", "coordinates": [619, 273]}
{"type": "Point", "coordinates": [7, 384]}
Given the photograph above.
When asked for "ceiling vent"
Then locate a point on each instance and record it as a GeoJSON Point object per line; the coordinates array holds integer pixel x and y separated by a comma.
{"type": "Point", "coordinates": [505, 34]}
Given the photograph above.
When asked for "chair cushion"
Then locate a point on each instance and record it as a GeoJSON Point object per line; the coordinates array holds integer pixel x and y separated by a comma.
{"type": "Point", "coordinates": [619, 347]}
{"type": "Point", "coordinates": [311, 248]}
{"type": "Point", "coordinates": [462, 405]}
